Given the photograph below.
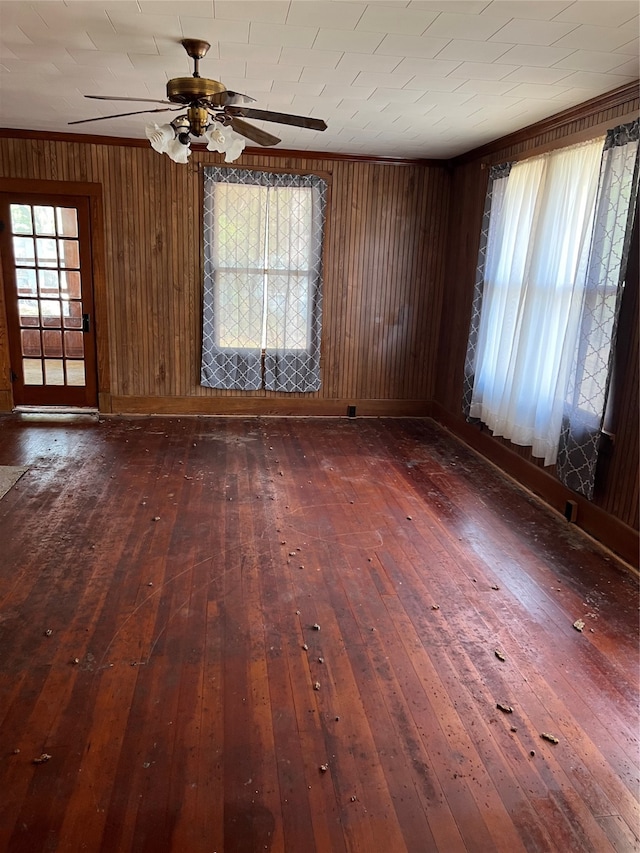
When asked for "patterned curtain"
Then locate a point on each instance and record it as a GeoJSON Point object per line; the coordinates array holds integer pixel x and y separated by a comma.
{"type": "Point", "coordinates": [591, 372]}
{"type": "Point", "coordinates": [262, 307]}
{"type": "Point", "coordinates": [493, 201]}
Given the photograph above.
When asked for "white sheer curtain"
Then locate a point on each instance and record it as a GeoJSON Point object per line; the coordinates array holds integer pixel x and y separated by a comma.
{"type": "Point", "coordinates": [537, 254]}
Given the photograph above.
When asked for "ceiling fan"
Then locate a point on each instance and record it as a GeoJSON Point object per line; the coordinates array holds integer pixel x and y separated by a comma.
{"type": "Point", "coordinates": [213, 112]}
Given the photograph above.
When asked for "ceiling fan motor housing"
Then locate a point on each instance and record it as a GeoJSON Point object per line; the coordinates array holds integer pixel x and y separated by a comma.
{"type": "Point", "coordinates": [185, 90]}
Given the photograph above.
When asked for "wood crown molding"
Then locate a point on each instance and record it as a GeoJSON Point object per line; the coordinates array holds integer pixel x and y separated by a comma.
{"type": "Point", "coordinates": [610, 100]}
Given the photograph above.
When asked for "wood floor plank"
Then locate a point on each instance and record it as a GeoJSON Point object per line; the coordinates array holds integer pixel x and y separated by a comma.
{"type": "Point", "coordinates": [190, 722]}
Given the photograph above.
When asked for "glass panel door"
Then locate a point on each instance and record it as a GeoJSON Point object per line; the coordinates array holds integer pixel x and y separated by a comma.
{"type": "Point", "coordinates": [47, 265]}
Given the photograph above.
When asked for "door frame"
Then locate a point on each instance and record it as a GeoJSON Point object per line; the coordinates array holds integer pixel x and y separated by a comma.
{"type": "Point", "coordinates": [93, 193]}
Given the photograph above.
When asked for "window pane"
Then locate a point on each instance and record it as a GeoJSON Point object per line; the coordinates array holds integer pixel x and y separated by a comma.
{"type": "Point", "coordinates": [28, 313]}
{"type": "Point", "coordinates": [287, 311]}
{"type": "Point", "coordinates": [50, 309]}
{"type": "Point", "coordinates": [21, 219]}
{"type": "Point", "coordinates": [70, 283]}
{"type": "Point", "coordinates": [53, 372]}
{"type": "Point", "coordinates": [72, 315]}
{"type": "Point", "coordinates": [47, 253]}
{"type": "Point", "coordinates": [26, 282]}
{"type": "Point", "coordinates": [67, 221]}
{"type": "Point", "coordinates": [69, 253]}
{"type": "Point", "coordinates": [52, 343]}
{"type": "Point", "coordinates": [74, 344]}
{"type": "Point", "coordinates": [75, 372]}
{"type": "Point", "coordinates": [32, 371]}
{"type": "Point", "coordinates": [240, 222]}
{"type": "Point", "coordinates": [48, 282]}
{"type": "Point", "coordinates": [239, 300]}
{"type": "Point", "coordinates": [44, 220]}
{"type": "Point", "coordinates": [23, 251]}
{"type": "Point", "coordinates": [30, 342]}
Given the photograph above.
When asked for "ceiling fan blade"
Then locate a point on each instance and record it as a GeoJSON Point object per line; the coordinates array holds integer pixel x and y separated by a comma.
{"type": "Point", "coordinates": [237, 99]}
{"type": "Point", "coordinates": [282, 118]}
{"type": "Point", "coordinates": [118, 98]}
{"type": "Point", "coordinates": [255, 134]}
{"type": "Point", "coordinates": [122, 115]}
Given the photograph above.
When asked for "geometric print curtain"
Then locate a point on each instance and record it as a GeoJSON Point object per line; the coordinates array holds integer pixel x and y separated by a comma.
{"type": "Point", "coordinates": [493, 202]}
{"type": "Point", "coordinates": [590, 375]}
{"type": "Point", "coordinates": [262, 302]}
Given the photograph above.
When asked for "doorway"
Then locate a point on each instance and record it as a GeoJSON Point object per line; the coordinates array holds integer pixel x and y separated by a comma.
{"type": "Point", "coordinates": [45, 243]}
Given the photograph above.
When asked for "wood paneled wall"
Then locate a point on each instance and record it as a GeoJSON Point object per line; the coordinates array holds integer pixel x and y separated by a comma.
{"type": "Point", "coordinates": [617, 492]}
{"type": "Point", "coordinates": [384, 267]}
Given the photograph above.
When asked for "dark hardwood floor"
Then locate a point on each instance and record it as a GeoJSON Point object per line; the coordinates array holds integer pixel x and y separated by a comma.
{"type": "Point", "coordinates": [183, 563]}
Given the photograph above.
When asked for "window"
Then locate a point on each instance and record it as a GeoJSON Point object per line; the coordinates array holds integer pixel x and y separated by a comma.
{"type": "Point", "coordinates": [551, 269]}
{"type": "Point", "coordinates": [263, 280]}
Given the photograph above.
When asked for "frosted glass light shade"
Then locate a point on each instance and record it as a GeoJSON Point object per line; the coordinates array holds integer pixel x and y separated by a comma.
{"type": "Point", "coordinates": [226, 141]}
{"type": "Point", "coordinates": [160, 136]}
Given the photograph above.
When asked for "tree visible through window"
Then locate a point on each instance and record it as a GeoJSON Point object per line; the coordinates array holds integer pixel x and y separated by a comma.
{"type": "Point", "coordinates": [263, 277]}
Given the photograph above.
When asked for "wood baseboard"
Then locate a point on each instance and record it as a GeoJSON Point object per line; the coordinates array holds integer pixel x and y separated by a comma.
{"type": "Point", "coordinates": [607, 529]}
{"type": "Point", "coordinates": [279, 406]}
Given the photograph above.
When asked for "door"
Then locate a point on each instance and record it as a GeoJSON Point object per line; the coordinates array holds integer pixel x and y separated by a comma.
{"type": "Point", "coordinates": [45, 244]}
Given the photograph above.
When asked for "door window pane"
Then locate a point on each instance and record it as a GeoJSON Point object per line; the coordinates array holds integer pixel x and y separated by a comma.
{"type": "Point", "coordinates": [21, 219]}
{"type": "Point", "coordinates": [70, 283]}
{"type": "Point", "coordinates": [67, 221]}
{"type": "Point", "coordinates": [50, 313]}
{"type": "Point", "coordinates": [28, 312]}
{"type": "Point", "coordinates": [48, 282]}
{"type": "Point", "coordinates": [52, 343]}
{"type": "Point", "coordinates": [32, 371]}
{"type": "Point", "coordinates": [44, 220]}
{"type": "Point", "coordinates": [69, 253]}
{"type": "Point", "coordinates": [47, 252]}
{"type": "Point", "coordinates": [72, 315]}
{"type": "Point", "coordinates": [23, 251]}
{"type": "Point", "coordinates": [74, 344]}
{"type": "Point", "coordinates": [26, 282]}
{"type": "Point", "coordinates": [53, 372]}
{"type": "Point", "coordinates": [75, 372]}
{"type": "Point", "coordinates": [30, 343]}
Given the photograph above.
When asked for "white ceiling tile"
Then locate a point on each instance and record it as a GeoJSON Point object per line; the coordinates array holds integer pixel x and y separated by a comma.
{"type": "Point", "coordinates": [356, 42]}
{"type": "Point", "coordinates": [103, 58]}
{"type": "Point", "coordinates": [12, 34]}
{"type": "Point", "coordinates": [352, 92]}
{"type": "Point", "coordinates": [589, 60]}
{"type": "Point", "coordinates": [447, 100]}
{"type": "Point", "coordinates": [194, 8]}
{"type": "Point", "coordinates": [273, 101]}
{"type": "Point", "coordinates": [274, 72]}
{"type": "Point", "coordinates": [363, 62]}
{"type": "Point", "coordinates": [427, 67]}
{"type": "Point", "coordinates": [473, 27]}
{"type": "Point", "coordinates": [250, 52]}
{"type": "Point", "coordinates": [632, 48]}
{"type": "Point", "coordinates": [252, 86]}
{"type": "Point", "coordinates": [311, 13]}
{"type": "Point", "coordinates": [434, 84]}
{"type": "Point", "coordinates": [473, 51]}
{"type": "Point", "coordinates": [530, 74]}
{"type": "Point", "coordinates": [595, 38]}
{"type": "Point", "coordinates": [48, 35]}
{"type": "Point", "coordinates": [297, 88]}
{"type": "Point", "coordinates": [284, 36]}
{"type": "Point", "coordinates": [587, 80]}
{"type": "Point", "coordinates": [394, 45]}
{"type": "Point", "coordinates": [220, 69]}
{"type": "Point", "coordinates": [390, 81]}
{"type": "Point", "coordinates": [485, 87]}
{"type": "Point", "coordinates": [540, 91]}
{"type": "Point", "coordinates": [265, 11]}
{"type": "Point", "coordinates": [536, 10]}
{"type": "Point", "coordinates": [123, 43]}
{"type": "Point", "coordinates": [629, 69]}
{"type": "Point", "coordinates": [532, 32]}
{"type": "Point", "coordinates": [134, 22]}
{"type": "Point", "coordinates": [462, 7]}
{"type": "Point", "coordinates": [310, 58]}
{"type": "Point", "coordinates": [328, 76]}
{"type": "Point", "coordinates": [389, 19]}
{"type": "Point", "coordinates": [610, 14]}
{"type": "Point", "coordinates": [525, 54]}
{"type": "Point", "coordinates": [482, 71]}
{"type": "Point", "coordinates": [214, 31]}
{"type": "Point", "coordinates": [394, 96]}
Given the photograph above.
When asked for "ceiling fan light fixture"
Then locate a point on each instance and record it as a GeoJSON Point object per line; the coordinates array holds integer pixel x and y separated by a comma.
{"type": "Point", "coordinates": [160, 136]}
{"type": "Point", "coordinates": [225, 141]}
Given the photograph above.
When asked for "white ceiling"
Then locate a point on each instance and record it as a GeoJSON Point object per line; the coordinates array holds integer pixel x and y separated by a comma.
{"type": "Point", "coordinates": [392, 78]}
